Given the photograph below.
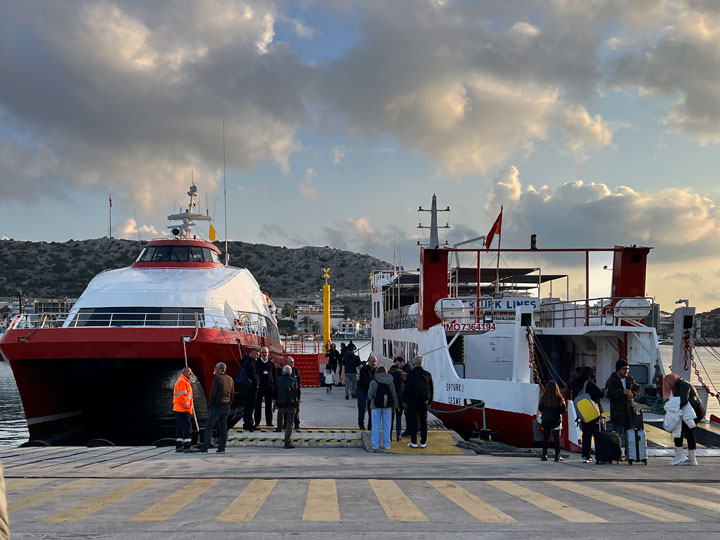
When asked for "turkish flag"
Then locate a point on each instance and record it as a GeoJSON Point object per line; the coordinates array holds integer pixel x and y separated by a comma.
{"type": "Point", "coordinates": [495, 229]}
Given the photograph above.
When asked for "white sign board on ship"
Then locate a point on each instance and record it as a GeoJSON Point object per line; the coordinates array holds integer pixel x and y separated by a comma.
{"type": "Point", "coordinates": [501, 309]}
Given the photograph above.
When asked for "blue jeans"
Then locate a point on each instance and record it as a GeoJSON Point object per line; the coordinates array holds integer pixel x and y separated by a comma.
{"type": "Point", "coordinates": [362, 399]}
{"type": "Point", "coordinates": [350, 384]}
{"type": "Point", "coordinates": [218, 413]}
{"type": "Point", "coordinates": [381, 418]}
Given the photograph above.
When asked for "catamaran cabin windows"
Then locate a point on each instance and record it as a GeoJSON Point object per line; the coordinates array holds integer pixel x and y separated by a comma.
{"type": "Point", "coordinates": [178, 254]}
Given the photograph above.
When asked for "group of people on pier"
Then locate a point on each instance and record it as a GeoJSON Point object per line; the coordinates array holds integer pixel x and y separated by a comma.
{"type": "Point", "coordinates": [683, 410]}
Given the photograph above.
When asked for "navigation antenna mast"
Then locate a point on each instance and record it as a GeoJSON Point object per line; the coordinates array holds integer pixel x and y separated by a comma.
{"type": "Point", "coordinates": [434, 238]}
{"type": "Point", "coordinates": [227, 255]}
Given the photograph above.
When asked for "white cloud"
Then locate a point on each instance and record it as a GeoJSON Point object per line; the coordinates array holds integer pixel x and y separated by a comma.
{"type": "Point", "coordinates": [338, 155]}
{"type": "Point", "coordinates": [307, 188]}
{"type": "Point", "coordinates": [361, 225]}
{"type": "Point", "coordinates": [129, 230]}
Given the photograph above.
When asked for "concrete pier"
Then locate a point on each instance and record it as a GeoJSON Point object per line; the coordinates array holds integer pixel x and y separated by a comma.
{"type": "Point", "coordinates": [321, 492]}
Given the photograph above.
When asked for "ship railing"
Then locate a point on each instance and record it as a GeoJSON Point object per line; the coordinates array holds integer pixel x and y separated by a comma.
{"type": "Point", "coordinates": [402, 318]}
{"type": "Point", "coordinates": [107, 319]}
{"type": "Point", "coordinates": [603, 311]}
{"type": "Point", "coordinates": [303, 344]}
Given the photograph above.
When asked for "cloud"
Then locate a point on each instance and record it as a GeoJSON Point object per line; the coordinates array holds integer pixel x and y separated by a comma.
{"type": "Point", "coordinates": [361, 226]}
{"type": "Point", "coordinates": [129, 230]}
{"type": "Point", "coordinates": [676, 57]}
{"type": "Point", "coordinates": [678, 222]}
{"type": "Point", "coordinates": [121, 93]}
{"type": "Point", "coordinates": [338, 155]}
{"type": "Point", "coordinates": [307, 188]}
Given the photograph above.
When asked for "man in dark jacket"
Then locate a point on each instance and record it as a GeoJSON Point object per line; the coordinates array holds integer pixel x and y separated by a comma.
{"type": "Point", "coordinates": [249, 364]}
{"type": "Point", "coordinates": [333, 357]}
{"type": "Point", "coordinates": [398, 375]}
{"type": "Point", "coordinates": [351, 361]}
{"type": "Point", "coordinates": [287, 401]}
{"type": "Point", "coordinates": [418, 396]}
{"type": "Point", "coordinates": [367, 372]}
{"type": "Point", "coordinates": [290, 361]}
{"type": "Point", "coordinates": [266, 386]}
{"type": "Point", "coordinates": [221, 394]}
{"type": "Point", "coordinates": [622, 391]}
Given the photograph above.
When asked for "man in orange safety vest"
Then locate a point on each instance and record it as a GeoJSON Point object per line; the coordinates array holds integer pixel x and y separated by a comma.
{"type": "Point", "coordinates": [183, 408]}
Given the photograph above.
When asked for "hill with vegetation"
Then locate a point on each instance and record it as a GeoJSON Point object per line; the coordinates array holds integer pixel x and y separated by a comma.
{"type": "Point", "coordinates": [63, 269]}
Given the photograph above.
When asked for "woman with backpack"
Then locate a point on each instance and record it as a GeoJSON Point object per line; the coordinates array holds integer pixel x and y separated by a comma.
{"type": "Point", "coordinates": [584, 384]}
{"type": "Point", "coordinates": [552, 407]}
{"type": "Point", "coordinates": [383, 401]}
{"type": "Point", "coordinates": [673, 386]}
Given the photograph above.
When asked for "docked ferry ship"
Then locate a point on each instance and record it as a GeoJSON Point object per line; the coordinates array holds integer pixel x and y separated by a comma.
{"type": "Point", "coordinates": [494, 335]}
{"type": "Point", "coordinates": [107, 371]}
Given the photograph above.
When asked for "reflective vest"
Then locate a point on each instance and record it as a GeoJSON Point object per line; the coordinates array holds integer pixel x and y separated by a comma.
{"type": "Point", "coordinates": [183, 395]}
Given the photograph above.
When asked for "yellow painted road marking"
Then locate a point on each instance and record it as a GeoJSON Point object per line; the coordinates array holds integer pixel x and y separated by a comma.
{"type": "Point", "coordinates": [15, 484]}
{"type": "Point", "coordinates": [174, 502]}
{"type": "Point", "coordinates": [37, 498]}
{"type": "Point", "coordinates": [646, 510]}
{"type": "Point", "coordinates": [322, 502]}
{"type": "Point", "coordinates": [397, 505]}
{"type": "Point", "coordinates": [247, 504]}
{"type": "Point", "coordinates": [474, 506]}
{"type": "Point", "coordinates": [98, 503]}
{"type": "Point", "coordinates": [697, 487]}
{"type": "Point", "coordinates": [673, 495]}
{"type": "Point", "coordinates": [546, 503]}
{"type": "Point", "coordinates": [439, 443]}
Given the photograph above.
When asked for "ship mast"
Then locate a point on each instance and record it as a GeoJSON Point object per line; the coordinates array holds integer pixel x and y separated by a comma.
{"type": "Point", "coordinates": [434, 236]}
{"type": "Point", "coordinates": [187, 218]}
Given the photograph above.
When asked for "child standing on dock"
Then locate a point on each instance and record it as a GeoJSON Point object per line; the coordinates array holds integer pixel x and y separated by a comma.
{"type": "Point", "coordinates": [552, 407]}
{"type": "Point", "coordinates": [329, 378]}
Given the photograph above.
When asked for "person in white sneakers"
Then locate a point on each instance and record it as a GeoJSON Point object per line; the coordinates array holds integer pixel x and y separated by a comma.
{"type": "Point", "coordinates": [674, 386]}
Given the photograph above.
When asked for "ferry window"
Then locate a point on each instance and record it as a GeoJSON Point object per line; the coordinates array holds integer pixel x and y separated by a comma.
{"type": "Point", "coordinates": [210, 255]}
{"type": "Point", "coordinates": [139, 257]}
{"type": "Point", "coordinates": [138, 316]}
{"type": "Point", "coordinates": [640, 374]}
{"type": "Point", "coordinates": [214, 257]}
{"type": "Point", "coordinates": [147, 254]}
{"type": "Point", "coordinates": [385, 347]}
{"type": "Point", "coordinates": [196, 254]}
{"type": "Point", "coordinates": [390, 349]}
{"type": "Point", "coordinates": [162, 253]}
{"type": "Point", "coordinates": [179, 253]}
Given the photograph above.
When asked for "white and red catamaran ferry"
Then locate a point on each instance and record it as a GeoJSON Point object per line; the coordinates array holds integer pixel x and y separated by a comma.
{"type": "Point", "coordinates": [107, 371]}
{"type": "Point", "coordinates": [496, 334]}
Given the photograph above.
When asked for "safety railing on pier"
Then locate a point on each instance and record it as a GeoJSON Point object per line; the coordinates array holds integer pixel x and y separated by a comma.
{"type": "Point", "coordinates": [303, 344]}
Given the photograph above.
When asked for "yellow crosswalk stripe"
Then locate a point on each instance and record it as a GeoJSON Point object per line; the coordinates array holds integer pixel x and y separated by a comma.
{"type": "Point", "coordinates": [20, 482]}
{"type": "Point", "coordinates": [38, 498]}
{"type": "Point", "coordinates": [98, 503]}
{"type": "Point", "coordinates": [174, 502]}
{"type": "Point", "coordinates": [672, 494]}
{"type": "Point", "coordinates": [474, 506]}
{"type": "Point", "coordinates": [397, 505]}
{"type": "Point", "coordinates": [646, 510]}
{"type": "Point", "coordinates": [546, 503]}
{"type": "Point", "coordinates": [696, 487]}
{"type": "Point", "coordinates": [322, 502]}
{"type": "Point", "coordinates": [248, 503]}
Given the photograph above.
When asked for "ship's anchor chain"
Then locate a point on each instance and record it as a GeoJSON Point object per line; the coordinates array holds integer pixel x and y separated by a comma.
{"type": "Point", "coordinates": [687, 349]}
{"type": "Point", "coordinates": [689, 355]}
{"type": "Point", "coordinates": [533, 364]}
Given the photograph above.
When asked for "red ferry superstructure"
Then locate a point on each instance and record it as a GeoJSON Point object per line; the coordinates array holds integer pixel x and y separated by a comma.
{"type": "Point", "coordinates": [108, 371]}
{"type": "Point", "coordinates": [489, 335]}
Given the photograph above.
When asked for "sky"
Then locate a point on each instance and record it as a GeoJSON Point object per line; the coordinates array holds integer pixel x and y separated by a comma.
{"type": "Point", "coordinates": [592, 123]}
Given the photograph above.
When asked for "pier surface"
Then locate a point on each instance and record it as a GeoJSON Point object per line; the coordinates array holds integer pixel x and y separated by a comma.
{"type": "Point", "coordinates": [268, 492]}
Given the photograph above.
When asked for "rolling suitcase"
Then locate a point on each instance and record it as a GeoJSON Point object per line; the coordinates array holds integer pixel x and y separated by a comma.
{"type": "Point", "coordinates": [636, 450]}
{"type": "Point", "coordinates": [607, 447]}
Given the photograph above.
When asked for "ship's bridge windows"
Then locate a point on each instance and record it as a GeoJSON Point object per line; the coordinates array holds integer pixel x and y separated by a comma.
{"type": "Point", "coordinates": [178, 254]}
{"type": "Point", "coordinates": [138, 316]}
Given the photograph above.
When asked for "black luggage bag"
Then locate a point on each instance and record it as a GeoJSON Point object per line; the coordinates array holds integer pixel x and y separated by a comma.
{"type": "Point", "coordinates": [607, 447]}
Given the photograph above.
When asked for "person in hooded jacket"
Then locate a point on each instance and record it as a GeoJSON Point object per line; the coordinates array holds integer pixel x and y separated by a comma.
{"type": "Point", "coordinates": [382, 384]}
{"type": "Point", "coordinates": [417, 397]}
{"type": "Point", "coordinates": [585, 380]}
{"type": "Point", "coordinates": [398, 375]}
{"type": "Point", "coordinates": [674, 385]}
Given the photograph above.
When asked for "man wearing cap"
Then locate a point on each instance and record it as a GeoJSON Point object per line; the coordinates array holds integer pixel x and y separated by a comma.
{"type": "Point", "coordinates": [622, 391]}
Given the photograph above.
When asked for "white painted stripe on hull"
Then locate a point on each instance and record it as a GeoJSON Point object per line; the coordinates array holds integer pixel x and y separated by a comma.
{"type": "Point", "coordinates": [52, 417]}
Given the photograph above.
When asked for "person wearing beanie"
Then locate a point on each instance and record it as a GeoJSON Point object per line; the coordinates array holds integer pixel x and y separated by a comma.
{"type": "Point", "coordinates": [674, 386]}
{"type": "Point", "coordinates": [622, 391]}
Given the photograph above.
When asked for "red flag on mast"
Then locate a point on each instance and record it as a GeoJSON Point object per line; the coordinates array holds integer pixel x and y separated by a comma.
{"type": "Point", "coordinates": [495, 229]}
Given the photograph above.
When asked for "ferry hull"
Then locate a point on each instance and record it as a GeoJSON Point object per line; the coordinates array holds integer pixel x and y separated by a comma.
{"type": "Point", "coordinates": [79, 384]}
{"type": "Point", "coordinates": [509, 427]}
